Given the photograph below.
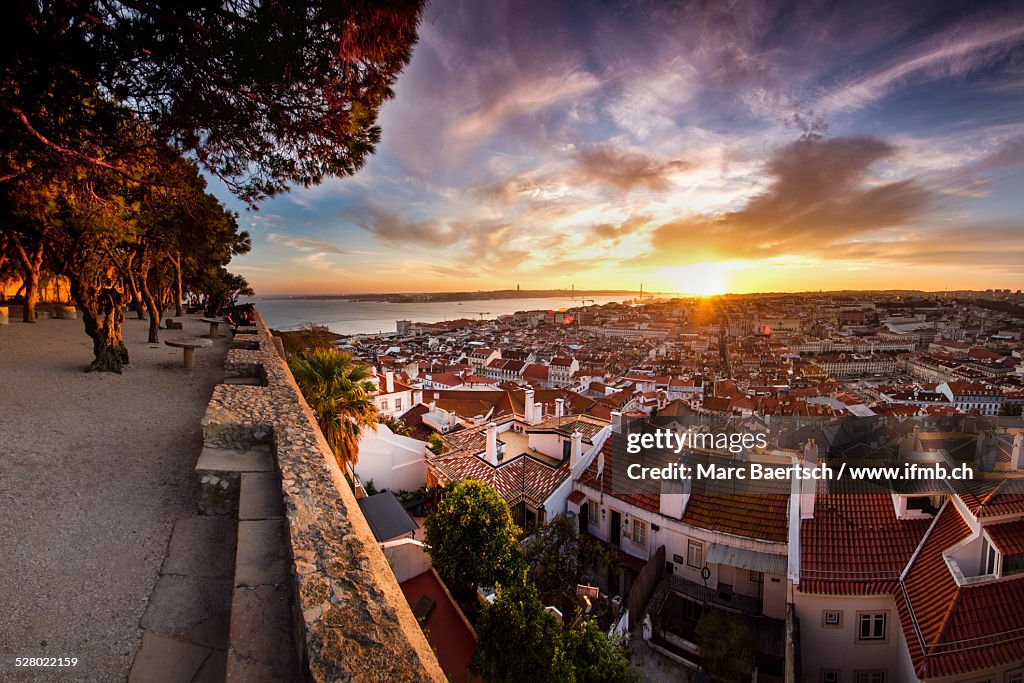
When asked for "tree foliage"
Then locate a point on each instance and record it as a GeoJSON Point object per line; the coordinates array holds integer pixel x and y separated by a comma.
{"type": "Point", "coordinates": [102, 100]}
{"type": "Point", "coordinates": [726, 647]}
{"type": "Point", "coordinates": [472, 538]}
{"type": "Point", "coordinates": [339, 392]}
{"type": "Point", "coordinates": [396, 425]}
{"type": "Point", "coordinates": [595, 658]}
{"type": "Point", "coordinates": [559, 556]}
{"type": "Point", "coordinates": [518, 640]}
{"type": "Point", "coordinates": [264, 94]}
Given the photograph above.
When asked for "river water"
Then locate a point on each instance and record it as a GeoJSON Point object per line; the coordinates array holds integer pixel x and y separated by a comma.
{"type": "Point", "coordinates": [373, 317]}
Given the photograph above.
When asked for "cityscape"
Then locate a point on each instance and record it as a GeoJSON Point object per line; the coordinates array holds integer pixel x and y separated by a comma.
{"type": "Point", "coordinates": [512, 341]}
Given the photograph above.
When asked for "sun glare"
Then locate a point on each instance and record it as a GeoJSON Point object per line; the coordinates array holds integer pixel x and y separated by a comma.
{"type": "Point", "coordinates": [703, 279]}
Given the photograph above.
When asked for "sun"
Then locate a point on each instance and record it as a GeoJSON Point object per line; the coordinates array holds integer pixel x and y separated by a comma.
{"type": "Point", "coordinates": [709, 278]}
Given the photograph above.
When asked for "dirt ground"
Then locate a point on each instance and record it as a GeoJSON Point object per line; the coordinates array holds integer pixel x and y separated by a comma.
{"type": "Point", "coordinates": [94, 469]}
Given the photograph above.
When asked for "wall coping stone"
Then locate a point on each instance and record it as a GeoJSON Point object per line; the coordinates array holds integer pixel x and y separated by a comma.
{"type": "Point", "coordinates": [352, 621]}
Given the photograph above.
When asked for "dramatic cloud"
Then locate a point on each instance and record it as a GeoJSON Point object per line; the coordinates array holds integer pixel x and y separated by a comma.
{"type": "Point", "coordinates": [819, 193]}
{"type": "Point", "coordinates": [609, 231]}
{"type": "Point", "coordinates": [955, 52]}
{"type": "Point", "coordinates": [796, 143]}
{"type": "Point", "coordinates": [304, 243]}
{"type": "Point", "coordinates": [391, 229]}
{"type": "Point", "coordinates": [625, 170]}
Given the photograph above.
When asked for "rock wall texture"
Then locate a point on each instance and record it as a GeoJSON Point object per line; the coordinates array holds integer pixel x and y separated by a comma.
{"type": "Point", "coordinates": [352, 622]}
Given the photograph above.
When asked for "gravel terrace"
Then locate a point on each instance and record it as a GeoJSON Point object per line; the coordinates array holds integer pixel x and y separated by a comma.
{"type": "Point", "coordinates": [94, 470]}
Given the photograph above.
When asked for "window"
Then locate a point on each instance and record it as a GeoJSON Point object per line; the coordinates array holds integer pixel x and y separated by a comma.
{"type": "Point", "coordinates": [695, 554]}
{"type": "Point", "coordinates": [831, 618]}
{"type": "Point", "coordinates": [871, 626]}
{"type": "Point", "coordinates": [592, 511]}
{"type": "Point", "coordinates": [829, 676]}
{"type": "Point", "coordinates": [870, 677]}
{"type": "Point", "coordinates": [639, 532]}
{"type": "Point", "coordinates": [1015, 676]}
{"type": "Point", "coordinates": [398, 404]}
{"type": "Point", "coordinates": [756, 577]}
{"type": "Point", "coordinates": [384, 404]}
{"type": "Point", "coordinates": [1013, 564]}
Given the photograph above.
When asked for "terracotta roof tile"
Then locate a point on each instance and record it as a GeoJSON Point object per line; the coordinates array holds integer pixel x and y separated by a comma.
{"type": "Point", "coordinates": [1007, 537]}
{"type": "Point", "coordinates": [854, 545]}
{"type": "Point", "coordinates": [760, 516]}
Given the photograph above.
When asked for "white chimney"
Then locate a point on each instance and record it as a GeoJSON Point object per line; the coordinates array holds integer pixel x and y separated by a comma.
{"type": "Point", "coordinates": [808, 486]}
{"type": "Point", "coordinates": [559, 407]}
{"type": "Point", "coordinates": [674, 496]}
{"type": "Point", "coordinates": [617, 421]}
{"type": "Point", "coordinates": [1017, 452]}
{"type": "Point", "coordinates": [576, 452]}
{"type": "Point", "coordinates": [389, 381]}
{"type": "Point", "coordinates": [528, 406]}
{"type": "Point", "coordinates": [538, 413]}
{"type": "Point", "coordinates": [492, 443]}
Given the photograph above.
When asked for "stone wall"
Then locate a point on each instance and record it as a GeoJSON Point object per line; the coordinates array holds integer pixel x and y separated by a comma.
{"type": "Point", "coordinates": [352, 621]}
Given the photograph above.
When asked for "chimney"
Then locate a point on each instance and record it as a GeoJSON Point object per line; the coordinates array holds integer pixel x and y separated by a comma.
{"type": "Point", "coordinates": [1017, 452]}
{"type": "Point", "coordinates": [674, 496]}
{"type": "Point", "coordinates": [808, 486]}
{"type": "Point", "coordinates": [492, 443]}
{"type": "Point", "coordinates": [576, 452]}
{"type": "Point", "coordinates": [389, 381]}
{"type": "Point", "coordinates": [559, 407]}
{"type": "Point", "coordinates": [617, 424]}
{"type": "Point", "coordinates": [538, 413]}
{"type": "Point", "coordinates": [528, 406]}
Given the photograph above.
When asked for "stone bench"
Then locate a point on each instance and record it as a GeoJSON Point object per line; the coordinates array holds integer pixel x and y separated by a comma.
{"type": "Point", "coordinates": [189, 344]}
{"type": "Point", "coordinates": [214, 324]}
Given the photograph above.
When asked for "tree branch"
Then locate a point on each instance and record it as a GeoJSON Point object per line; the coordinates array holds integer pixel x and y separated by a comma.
{"type": "Point", "coordinates": [73, 153]}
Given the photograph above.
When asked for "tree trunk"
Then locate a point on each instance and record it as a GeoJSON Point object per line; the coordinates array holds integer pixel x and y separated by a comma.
{"type": "Point", "coordinates": [103, 315]}
{"type": "Point", "coordinates": [138, 301]}
{"type": "Point", "coordinates": [179, 310]}
{"type": "Point", "coordinates": [31, 265]}
{"type": "Point", "coordinates": [151, 304]}
{"type": "Point", "coordinates": [28, 310]}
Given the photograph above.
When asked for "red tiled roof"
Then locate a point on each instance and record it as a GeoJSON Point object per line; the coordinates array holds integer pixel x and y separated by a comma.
{"type": "Point", "coordinates": [577, 497]}
{"type": "Point", "coordinates": [518, 479]}
{"type": "Point", "coordinates": [760, 516]}
{"type": "Point", "coordinates": [606, 484]}
{"type": "Point", "coordinates": [984, 498]}
{"type": "Point", "coordinates": [952, 629]}
{"type": "Point", "coordinates": [855, 545]}
{"type": "Point", "coordinates": [1008, 537]}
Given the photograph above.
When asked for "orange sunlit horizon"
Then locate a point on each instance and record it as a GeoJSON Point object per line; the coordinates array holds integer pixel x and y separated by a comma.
{"type": "Point", "coordinates": [701, 150]}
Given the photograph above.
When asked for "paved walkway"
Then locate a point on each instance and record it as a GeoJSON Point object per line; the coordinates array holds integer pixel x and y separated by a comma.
{"type": "Point", "coordinates": [95, 469]}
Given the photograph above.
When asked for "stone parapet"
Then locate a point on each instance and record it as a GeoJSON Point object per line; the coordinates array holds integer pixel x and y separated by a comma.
{"type": "Point", "coordinates": [352, 622]}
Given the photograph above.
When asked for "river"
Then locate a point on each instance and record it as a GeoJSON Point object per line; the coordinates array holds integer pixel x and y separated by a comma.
{"type": "Point", "coordinates": [373, 317]}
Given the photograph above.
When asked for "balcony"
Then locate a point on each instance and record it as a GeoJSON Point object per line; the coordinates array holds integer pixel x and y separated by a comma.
{"type": "Point", "coordinates": [722, 596]}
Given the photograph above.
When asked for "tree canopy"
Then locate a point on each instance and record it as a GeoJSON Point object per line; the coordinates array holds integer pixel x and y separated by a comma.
{"type": "Point", "coordinates": [726, 646]}
{"type": "Point", "coordinates": [518, 640]}
{"type": "Point", "coordinates": [472, 537]}
{"type": "Point", "coordinates": [263, 94]}
{"type": "Point", "coordinates": [339, 392]}
{"type": "Point", "coordinates": [111, 109]}
{"type": "Point", "coordinates": [559, 556]}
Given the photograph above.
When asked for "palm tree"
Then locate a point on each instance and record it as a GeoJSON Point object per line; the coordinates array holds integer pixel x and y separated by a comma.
{"type": "Point", "coordinates": [339, 393]}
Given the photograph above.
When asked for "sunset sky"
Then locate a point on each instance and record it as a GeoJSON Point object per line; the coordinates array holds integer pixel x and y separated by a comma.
{"type": "Point", "coordinates": [695, 147]}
